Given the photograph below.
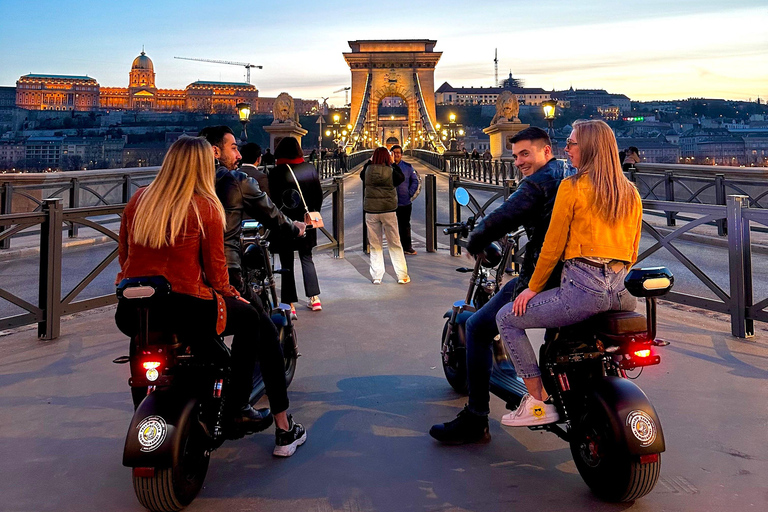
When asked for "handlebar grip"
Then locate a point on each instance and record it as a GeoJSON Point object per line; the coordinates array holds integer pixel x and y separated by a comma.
{"type": "Point", "coordinates": [455, 229]}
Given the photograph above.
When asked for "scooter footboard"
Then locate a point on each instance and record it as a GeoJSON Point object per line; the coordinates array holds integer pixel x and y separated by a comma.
{"type": "Point", "coordinates": [633, 419]}
{"type": "Point", "coordinates": [155, 436]}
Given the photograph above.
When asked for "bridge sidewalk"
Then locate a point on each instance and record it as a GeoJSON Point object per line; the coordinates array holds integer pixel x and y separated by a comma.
{"type": "Point", "coordinates": [368, 386]}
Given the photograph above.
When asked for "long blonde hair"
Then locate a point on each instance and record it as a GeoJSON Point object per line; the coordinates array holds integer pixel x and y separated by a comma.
{"type": "Point", "coordinates": [188, 170]}
{"type": "Point", "coordinates": [614, 194]}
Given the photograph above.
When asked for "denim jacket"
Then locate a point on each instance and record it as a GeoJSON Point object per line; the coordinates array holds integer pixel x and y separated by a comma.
{"type": "Point", "coordinates": [530, 206]}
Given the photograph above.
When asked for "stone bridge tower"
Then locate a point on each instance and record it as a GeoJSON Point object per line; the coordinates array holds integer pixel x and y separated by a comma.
{"type": "Point", "coordinates": [403, 68]}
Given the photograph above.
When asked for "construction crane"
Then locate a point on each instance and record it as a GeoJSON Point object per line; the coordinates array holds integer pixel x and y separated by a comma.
{"type": "Point", "coordinates": [496, 66]}
{"type": "Point", "coordinates": [346, 95]}
{"type": "Point", "coordinates": [245, 64]}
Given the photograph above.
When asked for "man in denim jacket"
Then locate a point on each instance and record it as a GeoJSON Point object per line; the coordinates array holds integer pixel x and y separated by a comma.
{"type": "Point", "coordinates": [530, 206]}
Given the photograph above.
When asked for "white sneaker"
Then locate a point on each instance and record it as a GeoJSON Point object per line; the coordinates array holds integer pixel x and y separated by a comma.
{"type": "Point", "coordinates": [531, 412]}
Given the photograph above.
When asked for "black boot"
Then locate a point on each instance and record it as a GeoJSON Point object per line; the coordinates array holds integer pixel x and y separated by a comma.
{"type": "Point", "coordinates": [466, 428]}
{"type": "Point", "coordinates": [249, 421]}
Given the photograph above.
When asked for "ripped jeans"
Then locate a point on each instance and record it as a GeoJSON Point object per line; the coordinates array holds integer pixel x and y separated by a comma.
{"type": "Point", "coordinates": [584, 291]}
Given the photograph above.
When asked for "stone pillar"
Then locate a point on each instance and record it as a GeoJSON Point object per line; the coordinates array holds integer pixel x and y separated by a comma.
{"type": "Point", "coordinates": [500, 133]}
{"type": "Point", "coordinates": [278, 131]}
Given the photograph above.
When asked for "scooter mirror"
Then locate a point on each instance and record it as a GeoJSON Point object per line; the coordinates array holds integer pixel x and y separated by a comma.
{"type": "Point", "coordinates": [462, 196]}
{"type": "Point", "coordinates": [291, 199]}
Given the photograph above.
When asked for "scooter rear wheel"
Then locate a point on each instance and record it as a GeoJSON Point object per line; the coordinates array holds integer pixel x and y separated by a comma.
{"type": "Point", "coordinates": [608, 469]}
{"type": "Point", "coordinates": [288, 341]}
{"type": "Point", "coordinates": [455, 368]}
{"type": "Point", "coordinates": [172, 489]}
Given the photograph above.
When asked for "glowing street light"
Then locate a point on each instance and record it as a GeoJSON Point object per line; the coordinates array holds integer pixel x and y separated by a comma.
{"type": "Point", "coordinates": [244, 113]}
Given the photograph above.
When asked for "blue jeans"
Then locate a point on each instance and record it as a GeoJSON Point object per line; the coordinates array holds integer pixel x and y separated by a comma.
{"type": "Point", "coordinates": [480, 330]}
{"type": "Point", "coordinates": [584, 291]}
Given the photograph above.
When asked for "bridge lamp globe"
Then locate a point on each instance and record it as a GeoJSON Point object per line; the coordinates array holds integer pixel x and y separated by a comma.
{"type": "Point", "coordinates": [244, 113]}
{"type": "Point", "coordinates": [335, 118]}
{"type": "Point", "coordinates": [461, 132]}
{"type": "Point", "coordinates": [452, 117]}
{"type": "Point", "coordinates": [437, 126]}
{"type": "Point", "coordinates": [349, 127]}
{"type": "Point", "coordinates": [327, 133]}
{"type": "Point", "coordinates": [344, 132]}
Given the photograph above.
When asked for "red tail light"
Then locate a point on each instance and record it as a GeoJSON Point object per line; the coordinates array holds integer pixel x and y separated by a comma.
{"type": "Point", "coordinates": [151, 365]}
{"type": "Point", "coordinates": [648, 459]}
{"type": "Point", "coordinates": [643, 353]}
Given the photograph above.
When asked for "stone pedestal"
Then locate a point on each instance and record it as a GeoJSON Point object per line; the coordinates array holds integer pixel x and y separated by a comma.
{"type": "Point", "coordinates": [500, 133]}
{"type": "Point", "coordinates": [278, 131]}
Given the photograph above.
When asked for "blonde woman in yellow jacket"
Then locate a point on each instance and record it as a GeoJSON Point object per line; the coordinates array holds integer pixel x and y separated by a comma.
{"type": "Point", "coordinates": [595, 229]}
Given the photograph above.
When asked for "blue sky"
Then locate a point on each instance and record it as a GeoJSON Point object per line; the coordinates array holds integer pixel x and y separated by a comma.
{"type": "Point", "coordinates": [648, 50]}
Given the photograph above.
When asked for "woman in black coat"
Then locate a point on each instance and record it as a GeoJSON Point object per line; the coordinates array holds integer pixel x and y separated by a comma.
{"type": "Point", "coordinates": [289, 154]}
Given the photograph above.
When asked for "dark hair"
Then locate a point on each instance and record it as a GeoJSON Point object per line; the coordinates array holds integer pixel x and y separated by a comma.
{"type": "Point", "coordinates": [381, 156]}
{"type": "Point", "coordinates": [251, 153]}
{"type": "Point", "coordinates": [215, 134]}
{"type": "Point", "coordinates": [532, 133]}
{"type": "Point", "coordinates": [289, 148]}
{"type": "Point", "coordinates": [633, 149]}
{"type": "Point", "coordinates": [396, 146]}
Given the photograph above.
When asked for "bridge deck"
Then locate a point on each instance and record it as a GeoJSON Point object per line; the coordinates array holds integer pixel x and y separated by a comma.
{"type": "Point", "coordinates": [368, 387]}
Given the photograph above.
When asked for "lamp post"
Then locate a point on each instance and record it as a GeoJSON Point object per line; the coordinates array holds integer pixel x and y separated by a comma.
{"type": "Point", "coordinates": [244, 112]}
{"type": "Point", "coordinates": [549, 114]}
{"type": "Point", "coordinates": [452, 130]}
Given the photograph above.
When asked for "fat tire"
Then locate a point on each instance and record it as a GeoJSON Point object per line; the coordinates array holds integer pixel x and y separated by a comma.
{"type": "Point", "coordinates": [168, 490]}
{"type": "Point", "coordinates": [455, 374]}
{"type": "Point", "coordinates": [290, 360]}
{"type": "Point", "coordinates": [617, 476]}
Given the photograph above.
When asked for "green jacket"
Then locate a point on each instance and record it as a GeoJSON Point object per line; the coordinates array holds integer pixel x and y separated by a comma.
{"type": "Point", "coordinates": [380, 188]}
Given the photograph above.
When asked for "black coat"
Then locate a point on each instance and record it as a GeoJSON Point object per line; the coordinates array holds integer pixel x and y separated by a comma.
{"type": "Point", "coordinates": [280, 181]}
{"type": "Point", "coordinates": [241, 197]}
{"type": "Point", "coordinates": [530, 206]}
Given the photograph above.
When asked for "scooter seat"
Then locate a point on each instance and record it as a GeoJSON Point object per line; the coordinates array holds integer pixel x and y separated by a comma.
{"type": "Point", "coordinates": [619, 322]}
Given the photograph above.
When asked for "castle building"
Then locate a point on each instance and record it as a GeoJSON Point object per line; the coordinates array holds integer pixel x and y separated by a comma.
{"type": "Point", "coordinates": [65, 92]}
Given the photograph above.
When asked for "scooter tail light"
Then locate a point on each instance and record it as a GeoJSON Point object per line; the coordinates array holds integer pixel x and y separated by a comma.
{"type": "Point", "coordinates": [151, 365]}
{"type": "Point", "coordinates": [648, 459]}
{"type": "Point", "coordinates": [144, 472]}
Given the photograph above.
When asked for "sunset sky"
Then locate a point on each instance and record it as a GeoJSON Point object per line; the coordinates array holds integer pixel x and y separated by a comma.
{"type": "Point", "coordinates": [654, 49]}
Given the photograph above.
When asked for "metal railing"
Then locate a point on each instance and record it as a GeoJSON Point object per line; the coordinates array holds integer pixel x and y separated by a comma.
{"type": "Point", "coordinates": [738, 302]}
{"type": "Point", "coordinates": [436, 160]}
{"type": "Point", "coordinates": [484, 171]}
{"type": "Point", "coordinates": [49, 222]}
{"type": "Point", "coordinates": [699, 184]}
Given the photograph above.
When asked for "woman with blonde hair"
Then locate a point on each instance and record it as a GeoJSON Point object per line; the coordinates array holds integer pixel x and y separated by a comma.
{"type": "Point", "coordinates": [595, 229]}
{"type": "Point", "coordinates": [175, 228]}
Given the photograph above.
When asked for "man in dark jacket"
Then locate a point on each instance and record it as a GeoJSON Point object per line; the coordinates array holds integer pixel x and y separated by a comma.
{"type": "Point", "coordinates": [249, 164]}
{"type": "Point", "coordinates": [241, 197]}
{"type": "Point", "coordinates": [529, 206]}
{"type": "Point", "coordinates": [405, 191]}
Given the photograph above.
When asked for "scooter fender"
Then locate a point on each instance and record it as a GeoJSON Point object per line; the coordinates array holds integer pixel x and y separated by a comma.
{"type": "Point", "coordinates": [461, 318]}
{"type": "Point", "coordinates": [633, 419]}
{"type": "Point", "coordinates": [154, 436]}
{"type": "Point", "coordinates": [279, 320]}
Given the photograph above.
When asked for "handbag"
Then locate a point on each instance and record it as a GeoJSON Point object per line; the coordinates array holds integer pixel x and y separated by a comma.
{"type": "Point", "coordinates": [311, 219]}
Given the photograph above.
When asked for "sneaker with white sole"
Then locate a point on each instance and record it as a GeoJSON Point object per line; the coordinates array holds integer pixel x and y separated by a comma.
{"type": "Point", "coordinates": [294, 316]}
{"type": "Point", "coordinates": [531, 412]}
{"type": "Point", "coordinates": [286, 441]}
{"type": "Point", "coordinates": [377, 281]}
{"type": "Point", "coordinates": [405, 280]}
{"type": "Point", "coordinates": [314, 303]}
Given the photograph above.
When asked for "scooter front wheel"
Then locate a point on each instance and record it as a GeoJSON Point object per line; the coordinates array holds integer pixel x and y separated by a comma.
{"type": "Point", "coordinates": [288, 341]}
{"type": "Point", "coordinates": [453, 355]}
{"type": "Point", "coordinates": [608, 469]}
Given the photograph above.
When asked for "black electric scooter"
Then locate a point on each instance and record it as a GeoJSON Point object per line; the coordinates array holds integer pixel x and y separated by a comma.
{"type": "Point", "coordinates": [614, 432]}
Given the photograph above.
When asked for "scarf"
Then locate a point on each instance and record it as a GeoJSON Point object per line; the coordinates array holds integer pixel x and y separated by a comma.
{"type": "Point", "coordinates": [290, 161]}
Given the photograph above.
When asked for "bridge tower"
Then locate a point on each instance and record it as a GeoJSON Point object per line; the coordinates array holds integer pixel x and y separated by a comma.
{"type": "Point", "coordinates": [402, 68]}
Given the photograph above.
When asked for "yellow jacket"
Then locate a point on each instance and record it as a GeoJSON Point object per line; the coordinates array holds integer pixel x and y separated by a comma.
{"type": "Point", "coordinates": [576, 231]}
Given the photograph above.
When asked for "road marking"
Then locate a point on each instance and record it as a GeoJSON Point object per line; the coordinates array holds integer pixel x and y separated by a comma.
{"type": "Point", "coordinates": [395, 432]}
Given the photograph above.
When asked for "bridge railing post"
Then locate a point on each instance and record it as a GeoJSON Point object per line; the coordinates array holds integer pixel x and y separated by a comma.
{"type": "Point", "coordinates": [338, 217]}
{"type": "Point", "coordinates": [49, 298]}
{"type": "Point", "coordinates": [454, 213]}
{"type": "Point", "coordinates": [722, 226]}
{"type": "Point", "coordinates": [740, 265]}
{"type": "Point", "coordinates": [430, 214]}
{"type": "Point", "coordinates": [6, 207]}
{"type": "Point", "coordinates": [669, 192]}
{"type": "Point", "coordinates": [74, 202]}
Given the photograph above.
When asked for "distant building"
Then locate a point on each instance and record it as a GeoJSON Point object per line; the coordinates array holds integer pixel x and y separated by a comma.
{"type": "Point", "coordinates": [449, 95]}
{"type": "Point", "coordinates": [7, 97]}
{"type": "Point", "coordinates": [598, 98]}
{"type": "Point", "coordinates": [42, 152]}
{"type": "Point", "coordinates": [712, 146]}
{"type": "Point", "coordinates": [11, 153]}
{"type": "Point", "coordinates": [756, 149]}
{"type": "Point", "coordinates": [65, 92]}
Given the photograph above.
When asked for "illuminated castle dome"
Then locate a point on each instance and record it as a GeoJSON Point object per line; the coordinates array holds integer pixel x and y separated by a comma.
{"type": "Point", "coordinates": [142, 72]}
{"type": "Point", "coordinates": [143, 62]}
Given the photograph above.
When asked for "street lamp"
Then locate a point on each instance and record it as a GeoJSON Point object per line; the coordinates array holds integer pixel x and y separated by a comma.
{"type": "Point", "coordinates": [244, 112]}
{"type": "Point", "coordinates": [451, 130]}
{"type": "Point", "coordinates": [549, 114]}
